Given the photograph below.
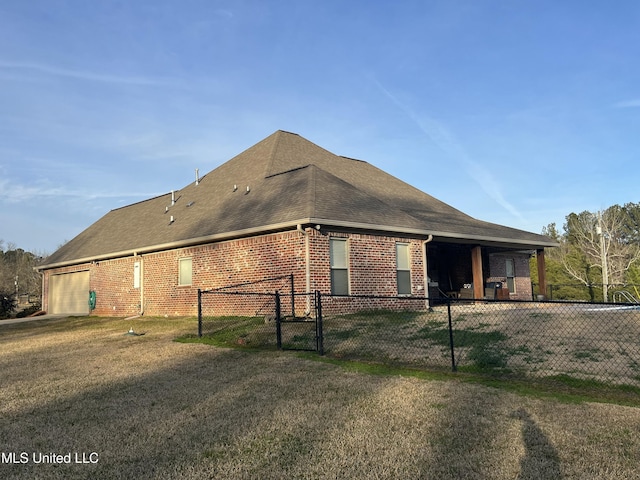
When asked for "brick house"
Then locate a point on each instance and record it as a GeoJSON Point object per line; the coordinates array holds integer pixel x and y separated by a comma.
{"type": "Point", "coordinates": [286, 206]}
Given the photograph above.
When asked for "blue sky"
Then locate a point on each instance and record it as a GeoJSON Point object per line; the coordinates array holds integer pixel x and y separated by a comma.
{"type": "Point", "coordinates": [515, 112]}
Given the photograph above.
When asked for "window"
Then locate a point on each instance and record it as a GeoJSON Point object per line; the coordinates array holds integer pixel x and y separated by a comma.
{"type": "Point", "coordinates": [136, 275]}
{"type": "Point", "coordinates": [339, 266]}
{"type": "Point", "coordinates": [511, 276]}
{"type": "Point", "coordinates": [184, 271]}
{"type": "Point", "coordinates": [403, 269]}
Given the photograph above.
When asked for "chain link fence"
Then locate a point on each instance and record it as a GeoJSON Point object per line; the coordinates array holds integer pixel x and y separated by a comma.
{"type": "Point", "coordinates": [616, 292]}
{"type": "Point", "coordinates": [589, 341]}
{"type": "Point", "coordinates": [261, 320]}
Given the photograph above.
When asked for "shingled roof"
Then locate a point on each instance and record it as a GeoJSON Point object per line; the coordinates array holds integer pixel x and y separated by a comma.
{"type": "Point", "coordinates": [282, 181]}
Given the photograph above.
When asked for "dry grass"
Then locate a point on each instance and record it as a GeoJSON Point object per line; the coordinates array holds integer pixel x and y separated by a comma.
{"type": "Point", "coordinates": [529, 340]}
{"type": "Point", "coordinates": [153, 408]}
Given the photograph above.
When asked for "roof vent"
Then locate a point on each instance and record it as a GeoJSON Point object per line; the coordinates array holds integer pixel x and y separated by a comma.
{"type": "Point", "coordinates": [166, 209]}
{"type": "Point", "coordinates": [235, 187]}
{"type": "Point", "coordinates": [197, 177]}
{"type": "Point", "coordinates": [248, 190]}
{"type": "Point", "coordinates": [171, 220]}
{"type": "Point", "coordinates": [173, 198]}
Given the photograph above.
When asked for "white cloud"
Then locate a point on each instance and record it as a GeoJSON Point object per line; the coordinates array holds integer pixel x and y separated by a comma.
{"type": "Point", "coordinates": [446, 141]}
{"type": "Point", "coordinates": [628, 104]}
{"type": "Point", "coordinates": [13, 193]}
{"type": "Point", "coordinates": [221, 12]}
{"type": "Point", "coordinates": [80, 74]}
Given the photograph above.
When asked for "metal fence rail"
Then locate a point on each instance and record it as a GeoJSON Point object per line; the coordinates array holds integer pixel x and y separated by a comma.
{"type": "Point", "coordinates": [593, 341]}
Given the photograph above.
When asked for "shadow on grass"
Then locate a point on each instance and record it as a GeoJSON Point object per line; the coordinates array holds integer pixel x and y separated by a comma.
{"type": "Point", "coordinates": [541, 460]}
{"type": "Point", "coordinates": [224, 413]}
{"type": "Point", "coordinates": [203, 412]}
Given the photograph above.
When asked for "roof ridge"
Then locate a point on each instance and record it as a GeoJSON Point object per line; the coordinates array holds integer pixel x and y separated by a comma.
{"type": "Point", "coordinates": [272, 154]}
{"type": "Point", "coordinates": [285, 131]}
{"type": "Point", "coordinates": [142, 201]}
{"type": "Point", "coordinates": [312, 188]}
{"type": "Point", "coordinates": [351, 158]}
{"type": "Point", "coordinates": [290, 170]}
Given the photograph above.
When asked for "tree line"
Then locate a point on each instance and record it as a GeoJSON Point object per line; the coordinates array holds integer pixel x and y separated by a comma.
{"type": "Point", "coordinates": [18, 278]}
{"type": "Point", "coordinates": [598, 255]}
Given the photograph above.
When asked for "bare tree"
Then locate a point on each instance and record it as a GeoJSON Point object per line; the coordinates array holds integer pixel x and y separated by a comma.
{"type": "Point", "coordinates": [598, 243]}
{"type": "Point", "coordinates": [17, 273]}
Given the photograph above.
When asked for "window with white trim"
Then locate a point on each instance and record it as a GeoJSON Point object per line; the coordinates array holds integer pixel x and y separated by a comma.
{"type": "Point", "coordinates": [403, 268]}
{"type": "Point", "coordinates": [338, 253]}
{"type": "Point", "coordinates": [185, 271]}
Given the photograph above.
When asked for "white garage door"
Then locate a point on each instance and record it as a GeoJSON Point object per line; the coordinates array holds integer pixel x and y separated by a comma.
{"type": "Point", "coordinates": [69, 293]}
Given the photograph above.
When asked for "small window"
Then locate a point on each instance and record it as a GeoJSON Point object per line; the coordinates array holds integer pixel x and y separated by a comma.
{"type": "Point", "coordinates": [339, 266]}
{"type": "Point", "coordinates": [511, 275]}
{"type": "Point", "coordinates": [184, 271]}
{"type": "Point", "coordinates": [136, 275]}
{"type": "Point", "coordinates": [403, 269]}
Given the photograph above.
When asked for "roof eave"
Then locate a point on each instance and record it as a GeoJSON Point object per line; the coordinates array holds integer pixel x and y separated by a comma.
{"type": "Point", "coordinates": [293, 224]}
{"type": "Point", "coordinates": [178, 244]}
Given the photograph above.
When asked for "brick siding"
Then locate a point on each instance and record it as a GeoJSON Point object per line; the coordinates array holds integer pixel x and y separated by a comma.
{"type": "Point", "coordinates": [498, 273]}
{"type": "Point", "coordinates": [372, 271]}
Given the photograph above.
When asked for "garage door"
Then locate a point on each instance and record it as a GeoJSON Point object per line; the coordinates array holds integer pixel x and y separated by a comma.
{"type": "Point", "coordinates": [69, 293]}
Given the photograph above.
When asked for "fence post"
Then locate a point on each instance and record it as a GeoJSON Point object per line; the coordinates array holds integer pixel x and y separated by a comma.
{"type": "Point", "coordinates": [319, 332]}
{"type": "Point", "coordinates": [453, 356]}
{"type": "Point", "coordinates": [199, 313]}
{"type": "Point", "coordinates": [278, 326]}
{"type": "Point", "coordinates": [293, 299]}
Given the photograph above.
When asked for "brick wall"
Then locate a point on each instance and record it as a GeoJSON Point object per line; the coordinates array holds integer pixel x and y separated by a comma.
{"type": "Point", "coordinates": [112, 280]}
{"type": "Point", "coordinates": [221, 264]}
{"type": "Point", "coordinates": [498, 273]}
{"type": "Point", "coordinates": [372, 271]}
{"type": "Point", "coordinates": [372, 263]}
{"type": "Point", "coordinates": [214, 266]}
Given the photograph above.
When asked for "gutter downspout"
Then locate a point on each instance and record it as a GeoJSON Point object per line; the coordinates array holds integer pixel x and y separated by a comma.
{"type": "Point", "coordinates": [424, 263]}
{"type": "Point", "coordinates": [141, 285]}
{"type": "Point", "coordinates": [307, 267]}
{"type": "Point", "coordinates": [42, 295]}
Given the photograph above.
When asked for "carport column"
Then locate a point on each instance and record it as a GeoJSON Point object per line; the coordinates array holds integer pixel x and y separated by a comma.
{"type": "Point", "coordinates": [542, 273]}
{"type": "Point", "coordinates": [476, 268]}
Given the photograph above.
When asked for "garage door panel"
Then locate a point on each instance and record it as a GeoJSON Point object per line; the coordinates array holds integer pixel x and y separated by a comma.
{"type": "Point", "coordinates": [69, 293]}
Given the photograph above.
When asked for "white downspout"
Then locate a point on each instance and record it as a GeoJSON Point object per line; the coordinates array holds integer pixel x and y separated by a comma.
{"type": "Point", "coordinates": [307, 267]}
{"type": "Point", "coordinates": [42, 296]}
{"type": "Point", "coordinates": [424, 263]}
{"type": "Point", "coordinates": [141, 285]}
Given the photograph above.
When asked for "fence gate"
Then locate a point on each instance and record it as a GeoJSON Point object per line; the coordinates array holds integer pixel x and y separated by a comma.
{"type": "Point", "coordinates": [252, 319]}
{"type": "Point", "coordinates": [300, 332]}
